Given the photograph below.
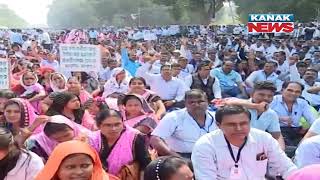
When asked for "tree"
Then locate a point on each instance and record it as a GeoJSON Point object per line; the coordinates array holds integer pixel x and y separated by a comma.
{"type": "Point", "coordinates": [197, 11]}
{"type": "Point", "coordinates": [71, 13]}
{"type": "Point", "coordinates": [9, 18]}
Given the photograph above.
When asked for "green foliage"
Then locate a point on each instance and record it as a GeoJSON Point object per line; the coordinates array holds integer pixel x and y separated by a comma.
{"type": "Point", "coordinates": [84, 13]}
{"type": "Point", "coordinates": [9, 18]}
{"type": "Point", "coordinates": [192, 11]}
{"type": "Point", "coordinates": [71, 13]}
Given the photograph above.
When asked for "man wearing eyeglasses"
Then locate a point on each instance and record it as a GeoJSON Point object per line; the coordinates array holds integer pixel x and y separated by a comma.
{"type": "Point", "coordinates": [178, 130]}
{"type": "Point", "coordinates": [236, 151]}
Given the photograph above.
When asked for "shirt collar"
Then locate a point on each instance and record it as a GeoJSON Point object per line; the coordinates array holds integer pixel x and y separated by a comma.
{"type": "Point", "coordinates": [221, 141]}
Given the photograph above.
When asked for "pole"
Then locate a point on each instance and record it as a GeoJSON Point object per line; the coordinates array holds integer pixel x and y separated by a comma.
{"type": "Point", "coordinates": [139, 12]}
{"type": "Point", "coordinates": [214, 9]}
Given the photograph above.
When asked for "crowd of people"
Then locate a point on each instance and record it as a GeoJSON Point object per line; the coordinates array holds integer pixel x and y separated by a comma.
{"type": "Point", "coordinates": [168, 103]}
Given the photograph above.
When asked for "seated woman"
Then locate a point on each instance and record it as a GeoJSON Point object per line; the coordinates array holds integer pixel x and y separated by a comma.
{"type": "Point", "coordinates": [137, 85]}
{"type": "Point", "coordinates": [68, 158]}
{"type": "Point", "coordinates": [5, 96]}
{"type": "Point", "coordinates": [58, 82]}
{"type": "Point", "coordinates": [68, 104]}
{"type": "Point", "coordinates": [16, 163]}
{"type": "Point", "coordinates": [30, 89]}
{"type": "Point", "coordinates": [44, 78]}
{"type": "Point", "coordinates": [117, 144]}
{"type": "Point", "coordinates": [117, 84]}
{"type": "Point", "coordinates": [74, 87]}
{"type": "Point", "coordinates": [58, 129]}
{"type": "Point", "coordinates": [169, 168]}
{"type": "Point", "coordinates": [19, 114]}
{"type": "Point", "coordinates": [137, 113]}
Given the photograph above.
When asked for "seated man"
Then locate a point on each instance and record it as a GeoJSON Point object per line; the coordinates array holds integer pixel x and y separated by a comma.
{"type": "Point", "coordinates": [230, 81]}
{"type": "Point", "coordinates": [237, 151]}
{"type": "Point", "coordinates": [308, 152]}
{"type": "Point", "coordinates": [267, 74]}
{"type": "Point", "coordinates": [203, 81]}
{"type": "Point", "coordinates": [178, 130]}
{"type": "Point", "coordinates": [290, 108]}
{"type": "Point", "coordinates": [186, 69]}
{"type": "Point", "coordinates": [170, 89]}
{"type": "Point", "coordinates": [312, 88]}
{"type": "Point", "coordinates": [262, 118]}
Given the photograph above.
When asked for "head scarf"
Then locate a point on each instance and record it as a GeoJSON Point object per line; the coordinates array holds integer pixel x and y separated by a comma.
{"type": "Point", "coordinates": [311, 172]}
{"type": "Point", "coordinates": [27, 111]}
{"type": "Point", "coordinates": [48, 144]}
{"type": "Point", "coordinates": [32, 88]}
{"type": "Point", "coordinates": [65, 149]}
{"type": "Point", "coordinates": [146, 119]}
{"type": "Point", "coordinates": [146, 109]}
{"type": "Point", "coordinates": [54, 87]}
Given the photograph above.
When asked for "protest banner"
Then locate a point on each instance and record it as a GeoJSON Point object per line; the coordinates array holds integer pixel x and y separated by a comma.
{"type": "Point", "coordinates": [80, 57]}
{"type": "Point", "coordinates": [4, 74]}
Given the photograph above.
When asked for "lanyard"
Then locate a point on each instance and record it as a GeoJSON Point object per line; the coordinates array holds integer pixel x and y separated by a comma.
{"type": "Point", "coordinates": [204, 127]}
{"type": "Point", "coordinates": [239, 152]}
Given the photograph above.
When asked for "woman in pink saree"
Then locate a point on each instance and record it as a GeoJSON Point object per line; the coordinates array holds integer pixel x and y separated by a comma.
{"type": "Point", "coordinates": [117, 144]}
{"type": "Point", "coordinates": [68, 105]}
{"type": "Point", "coordinates": [18, 114]}
{"type": "Point", "coordinates": [30, 89]}
{"type": "Point", "coordinates": [137, 113]}
{"type": "Point", "coordinates": [58, 129]}
{"type": "Point", "coordinates": [137, 85]}
{"type": "Point", "coordinates": [74, 87]}
{"type": "Point", "coordinates": [58, 82]}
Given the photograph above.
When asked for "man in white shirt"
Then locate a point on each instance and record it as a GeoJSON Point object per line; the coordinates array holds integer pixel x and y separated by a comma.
{"type": "Point", "coordinates": [44, 39]}
{"type": "Point", "coordinates": [267, 74]}
{"type": "Point", "coordinates": [283, 64]}
{"type": "Point", "coordinates": [50, 61]}
{"type": "Point", "coordinates": [170, 89]}
{"type": "Point", "coordinates": [108, 64]}
{"type": "Point", "coordinates": [311, 90]}
{"type": "Point", "coordinates": [26, 44]}
{"type": "Point", "coordinates": [156, 66]}
{"type": "Point", "coordinates": [186, 69]}
{"type": "Point", "coordinates": [264, 118]}
{"type": "Point", "coordinates": [308, 152]}
{"type": "Point", "coordinates": [178, 130]}
{"type": "Point", "coordinates": [235, 151]}
{"type": "Point", "coordinates": [93, 35]}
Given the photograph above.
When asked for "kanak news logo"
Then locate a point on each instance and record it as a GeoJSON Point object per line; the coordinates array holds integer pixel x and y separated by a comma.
{"type": "Point", "coordinates": [270, 23]}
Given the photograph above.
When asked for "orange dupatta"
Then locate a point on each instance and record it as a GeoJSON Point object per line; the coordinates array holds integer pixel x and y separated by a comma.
{"type": "Point", "coordinates": [67, 148]}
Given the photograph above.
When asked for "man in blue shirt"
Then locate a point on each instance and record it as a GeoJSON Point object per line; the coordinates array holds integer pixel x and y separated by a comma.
{"type": "Point", "coordinates": [129, 60]}
{"type": "Point", "coordinates": [230, 81]}
{"type": "Point", "coordinates": [290, 109]}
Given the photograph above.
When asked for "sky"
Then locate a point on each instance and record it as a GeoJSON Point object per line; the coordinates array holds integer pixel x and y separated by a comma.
{"type": "Point", "coordinates": [33, 11]}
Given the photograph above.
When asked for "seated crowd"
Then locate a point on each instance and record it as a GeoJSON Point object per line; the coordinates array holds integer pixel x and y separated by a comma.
{"type": "Point", "coordinates": [239, 107]}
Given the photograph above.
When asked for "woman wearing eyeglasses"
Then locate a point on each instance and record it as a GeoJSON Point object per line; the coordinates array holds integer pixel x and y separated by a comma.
{"type": "Point", "coordinates": [117, 144]}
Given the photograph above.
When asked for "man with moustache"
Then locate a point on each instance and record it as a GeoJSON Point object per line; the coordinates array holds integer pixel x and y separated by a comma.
{"type": "Point", "coordinates": [235, 151]}
{"type": "Point", "coordinates": [311, 90]}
